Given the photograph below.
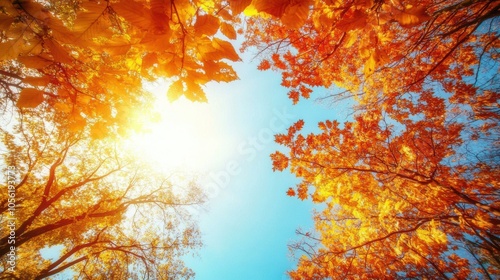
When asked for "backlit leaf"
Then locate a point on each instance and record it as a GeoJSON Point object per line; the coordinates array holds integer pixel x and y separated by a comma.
{"type": "Point", "coordinates": [30, 98]}
{"type": "Point", "coordinates": [206, 24]}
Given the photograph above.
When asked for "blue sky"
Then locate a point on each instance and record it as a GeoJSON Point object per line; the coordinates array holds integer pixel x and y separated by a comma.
{"type": "Point", "coordinates": [250, 220]}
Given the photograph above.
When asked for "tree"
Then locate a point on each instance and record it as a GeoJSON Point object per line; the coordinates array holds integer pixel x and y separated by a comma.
{"type": "Point", "coordinates": [71, 75]}
{"type": "Point", "coordinates": [394, 204]}
{"type": "Point", "coordinates": [409, 185]}
{"type": "Point", "coordinates": [105, 214]}
{"type": "Point", "coordinates": [89, 58]}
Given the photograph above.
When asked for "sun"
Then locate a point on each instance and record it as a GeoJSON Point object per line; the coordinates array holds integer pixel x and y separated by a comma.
{"type": "Point", "coordinates": [185, 138]}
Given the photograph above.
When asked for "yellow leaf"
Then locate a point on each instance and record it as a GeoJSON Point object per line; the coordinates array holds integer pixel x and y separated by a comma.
{"type": "Point", "coordinates": [424, 235]}
{"type": "Point", "coordinates": [30, 98]}
{"type": "Point", "coordinates": [439, 236]}
{"type": "Point", "coordinates": [237, 6]}
{"type": "Point", "coordinates": [195, 92]}
{"type": "Point", "coordinates": [351, 38]}
{"type": "Point", "coordinates": [411, 16]}
{"type": "Point", "coordinates": [175, 91]}
{"type": "Point", "coordinates": [250, 11]}
{"type": "Point", "coordinates": [99, 131]}
{"type": "Point", "coordinates": [370, 65]}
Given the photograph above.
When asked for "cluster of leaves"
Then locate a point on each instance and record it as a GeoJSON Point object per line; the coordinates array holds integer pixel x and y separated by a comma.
{"type": "Point", "coordinates": [410, 185]}
{"type": "Point", "coordinates": [88, 59]}
{"type": "Point", "coordinates": [102, 213]}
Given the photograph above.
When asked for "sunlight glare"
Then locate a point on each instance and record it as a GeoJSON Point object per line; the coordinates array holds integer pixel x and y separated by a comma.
{"type": "Point", "coordinates": [185, 138]}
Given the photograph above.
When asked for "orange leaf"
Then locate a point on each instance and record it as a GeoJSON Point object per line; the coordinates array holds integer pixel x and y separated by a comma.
{"type": "Point", "coordinates": [30, 98]}
{"type": "Point", "coordinates": [296, 15]}
{"type": "Point", "coordinates": [228, 30]}
{"type": "Point", "coordinates": [411, 16]}
{"type": "Point", "coordinates": [275, 8]}
{"type": "Point", "coordinates": [227, 49]}
{"type": "Point", "coordinates": [351, 21]}
{"type": "Point", "coordinates": [206, 24]}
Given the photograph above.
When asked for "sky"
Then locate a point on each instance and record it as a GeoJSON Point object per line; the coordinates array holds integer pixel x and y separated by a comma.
{"type": "Point", "coordinates": [249, 219]}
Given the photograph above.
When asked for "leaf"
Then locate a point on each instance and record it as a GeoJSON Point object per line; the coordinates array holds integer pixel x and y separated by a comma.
{"type": "Point", "coordinates": [411, 16]}
{"type": "Point", "coordinates": [90, 22]}
{"type": "Point", "coordinates": [11, 49]}
{"type": "Point", "coordinates": [99, 131]}
{"type": "Point", "coordinates": [370, 65]}
{"type": "Point", "coordinates": [34, 61]}
{"type": "Point", "coordinates": [134, 12]}
{"type": "Point", "coordinates": [296, 14]}
{"type": "Point", "coordinates": [275, 8]}
{"type": "Point", "coordinates": [76, 123]}
{"type": "Point", "coordinates": [226, 48]}
{"type": "Point", "coordinates": [220, 71]}
{"type": "Point", "coordinates": [30, 98]}
{"type": "Point", "coordinates": [237, 6]}
{"type": "Point", "coordinates": [194, 92]}
{"type": "Point", "coordinates": [60, 32]}
{"type": "Point", "coordinates": [228, 30]}
{"type": "Point", "coordinates": [175, 91]}
{"type": "Point", "coordinates": [37, 81]}
{"type": "Point", "coordinates": [63, 107]}
{"type": "Point", "coordinates": [58, 52]}
{"type": "Point", "coordinates": [206, 24]}
{"type": "Point", "coordinates": [352, 21]}
{"type": "Point", "coordinates": [5, 21]}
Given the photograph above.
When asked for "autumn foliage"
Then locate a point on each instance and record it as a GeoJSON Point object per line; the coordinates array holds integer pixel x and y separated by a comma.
{"type": "Point", "coordinates": [90, 58]}
{"type": "Point", "coordinates": [71, 77]}
{"type": "Point", "coordinates": [408, 185]}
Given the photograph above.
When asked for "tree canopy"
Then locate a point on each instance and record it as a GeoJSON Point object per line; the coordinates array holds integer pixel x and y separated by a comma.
{"type": "Point", "coordinates": [89, 58]}
{"type": "Point", "coordinates": [409, 183]}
